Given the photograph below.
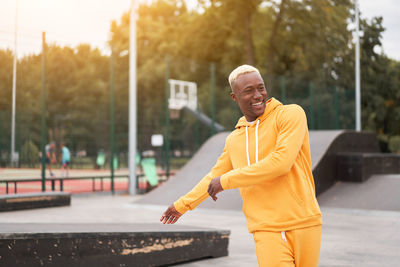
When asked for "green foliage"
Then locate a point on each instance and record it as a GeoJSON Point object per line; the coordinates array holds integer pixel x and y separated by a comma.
{"type": "Point", "coordinates": [303, 41]}
{"type": "Point", "coordinates": [394, 144]}
{"type": "Point", "coordinates": [82, 162]}
{"type": "Point", "coordinates": [6, 59]}
{"type": "Point", "coordinates": [29, 153]}
{"type": "Point", "coordinates": [379, 83]}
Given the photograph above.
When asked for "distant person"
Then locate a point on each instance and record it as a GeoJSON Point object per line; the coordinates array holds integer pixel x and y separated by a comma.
{"type": "Point", "coordinates": [268, 158]}
{"type": "Point", "coordinates": [101, 159]}
{"type": "Point", "coordinates": [51, 158]}
{"type": "Point", "coordinates": [65, 159]}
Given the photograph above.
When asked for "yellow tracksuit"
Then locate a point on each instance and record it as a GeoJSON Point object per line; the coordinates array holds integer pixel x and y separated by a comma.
{"type": "Point", "coordinates": [269, 161]}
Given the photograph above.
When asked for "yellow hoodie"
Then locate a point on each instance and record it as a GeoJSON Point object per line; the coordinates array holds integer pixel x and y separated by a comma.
{"type": "Point", "coordinates": [269, 161]}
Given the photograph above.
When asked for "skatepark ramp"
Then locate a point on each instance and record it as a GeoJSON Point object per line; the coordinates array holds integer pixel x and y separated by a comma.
{"type": "Point", "coordinates": [190, 174]}
{"type": "Point", "coordinates": [326, 147]}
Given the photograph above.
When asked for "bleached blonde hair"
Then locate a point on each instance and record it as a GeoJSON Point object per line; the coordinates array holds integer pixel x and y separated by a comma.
{"type": "Point", "coordinates": [243, 69]}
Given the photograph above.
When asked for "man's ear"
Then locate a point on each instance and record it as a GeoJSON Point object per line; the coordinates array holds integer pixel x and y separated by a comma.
{"type": "Point", "coordinates": [233, 96]}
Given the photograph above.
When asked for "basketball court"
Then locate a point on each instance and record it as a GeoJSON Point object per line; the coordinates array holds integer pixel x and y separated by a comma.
{"type": "Point", "coordinates": [73, 186]}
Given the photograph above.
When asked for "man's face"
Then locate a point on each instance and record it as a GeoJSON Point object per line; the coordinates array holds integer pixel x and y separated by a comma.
{"type": "Point", "coordinates": [250, 94]}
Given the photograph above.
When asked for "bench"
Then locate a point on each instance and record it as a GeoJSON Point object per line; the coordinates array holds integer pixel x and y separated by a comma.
{"type": "Point", "coordinates": [359, 167]}
{"type": "Point", "coordinates": [34, 200]}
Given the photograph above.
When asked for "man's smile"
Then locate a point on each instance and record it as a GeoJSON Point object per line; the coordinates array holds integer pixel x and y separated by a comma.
{"type": "Point", "coordinates": [258, 103]}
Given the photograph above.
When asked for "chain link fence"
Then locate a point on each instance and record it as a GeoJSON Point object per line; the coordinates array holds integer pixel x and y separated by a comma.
{"type": "Point", "coordinates": [87, 133]}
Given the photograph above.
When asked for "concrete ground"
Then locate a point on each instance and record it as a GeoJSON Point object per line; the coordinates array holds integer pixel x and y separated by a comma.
{"type": "Point", "coordinates": [350, 236]}
{"type": "Point", "coordinates": [380, 192]}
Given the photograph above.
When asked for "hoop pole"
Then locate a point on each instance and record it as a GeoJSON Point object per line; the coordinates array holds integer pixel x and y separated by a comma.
{"type": "Point", "coordinates": [167, 116]}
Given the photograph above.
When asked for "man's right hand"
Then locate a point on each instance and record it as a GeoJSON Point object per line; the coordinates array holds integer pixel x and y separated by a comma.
{"type": "Point", "coordinates": [170, 216]}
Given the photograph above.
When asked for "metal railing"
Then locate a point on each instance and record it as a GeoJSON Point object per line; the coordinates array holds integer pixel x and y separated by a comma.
{"type": "Point", "coordinates": [61, 180]}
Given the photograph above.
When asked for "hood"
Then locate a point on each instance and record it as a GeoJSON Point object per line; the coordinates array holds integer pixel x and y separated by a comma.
{"type": "Point", "coordinates": [270, 106]}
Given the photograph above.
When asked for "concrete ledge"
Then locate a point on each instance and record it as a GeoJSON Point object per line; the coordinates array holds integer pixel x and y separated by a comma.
{"type": "Point", "coordinates": [324, 153]}
{"type": "Point", "coordinates": [107, 244]}
{"type": "Point", "coordinates": [33, 201]}
{"type": "Point", "coordinates": [359, 167]}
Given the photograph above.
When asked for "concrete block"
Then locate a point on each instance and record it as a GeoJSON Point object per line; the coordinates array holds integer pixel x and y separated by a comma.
{"type": "Point", "coordinates": [108, 244]}
{"type": "Point", "coordinates": [12, 202]}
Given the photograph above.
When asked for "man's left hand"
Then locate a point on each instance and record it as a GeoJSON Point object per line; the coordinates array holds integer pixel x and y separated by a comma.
{"type": "Point", "coordinates": [214, 188]}
{"type": "Point", "coordinates": [170, 216]}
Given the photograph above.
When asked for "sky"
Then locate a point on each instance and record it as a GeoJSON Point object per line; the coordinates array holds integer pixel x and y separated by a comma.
{"type": "Point", "coordinates": [71, 22]}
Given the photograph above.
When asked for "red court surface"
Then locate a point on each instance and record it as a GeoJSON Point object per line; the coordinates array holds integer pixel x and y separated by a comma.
{"type": "Point", "coordinates": [72, 186]}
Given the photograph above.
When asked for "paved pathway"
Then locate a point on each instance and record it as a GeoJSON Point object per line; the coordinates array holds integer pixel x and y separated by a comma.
{"type": "Point", "coordinates": [350, 237]}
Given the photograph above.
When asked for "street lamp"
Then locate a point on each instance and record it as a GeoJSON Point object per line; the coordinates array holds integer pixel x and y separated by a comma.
{"type": "Point", "coordinates": [358, 87]}
{"type": "Point", "coordinates": [13, 155]}
{"type": "Point", "coordinates": [132, 100]}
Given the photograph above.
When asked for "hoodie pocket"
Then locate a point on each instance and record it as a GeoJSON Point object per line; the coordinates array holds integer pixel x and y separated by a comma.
{"type": "Point", "coordinates": [290, 188]}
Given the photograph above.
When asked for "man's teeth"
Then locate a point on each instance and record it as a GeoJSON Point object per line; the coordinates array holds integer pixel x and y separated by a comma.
{"type": "Point", "coordinates": [257, 104]}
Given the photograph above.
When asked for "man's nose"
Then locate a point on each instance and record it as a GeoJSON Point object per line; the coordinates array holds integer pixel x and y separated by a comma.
{"type": "Point", "coordinates": [257, 95]}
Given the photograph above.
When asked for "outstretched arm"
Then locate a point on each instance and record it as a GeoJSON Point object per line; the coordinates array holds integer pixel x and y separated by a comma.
{"type": "Point", "coordinates": [199, 193]}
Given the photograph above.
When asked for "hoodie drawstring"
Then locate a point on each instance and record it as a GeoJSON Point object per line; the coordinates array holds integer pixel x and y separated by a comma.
{"type": "Point", "coordinates": [258, 122]}
{"type": "Point", "coordinates": [247, 144]}
{"type": "Point", "coordinates": [247, 147]}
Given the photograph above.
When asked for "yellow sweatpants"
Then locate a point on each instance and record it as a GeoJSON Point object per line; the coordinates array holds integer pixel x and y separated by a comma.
{"type": "Point", "coordinates": [299, 247]}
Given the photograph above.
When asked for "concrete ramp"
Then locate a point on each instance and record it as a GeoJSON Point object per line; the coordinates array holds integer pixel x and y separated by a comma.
{"type": "Point", "coordinates": [187, 177]}
{"type": "Point", "coordinates": [320, 142]}
{"type": "Point", "coordinates": [324, 147]}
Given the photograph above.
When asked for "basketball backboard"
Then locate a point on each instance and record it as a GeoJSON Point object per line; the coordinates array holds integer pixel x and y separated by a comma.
{"type": "Point", "coordinates": [182, 93]}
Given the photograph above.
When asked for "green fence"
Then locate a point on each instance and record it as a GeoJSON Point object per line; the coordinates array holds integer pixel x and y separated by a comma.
{"type": "Point", "coordinates": [327, 107]}
{"type": "Point", "coordinates": [83, 118]}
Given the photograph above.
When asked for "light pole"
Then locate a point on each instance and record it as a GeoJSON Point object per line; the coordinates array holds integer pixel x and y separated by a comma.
{"type": "Point", "coordinates": [44, 112]}
{"type": "Point", "coordinates": [112, 118]}
{"type": "Point", "coordinates": [167, 117]}
{"type": "Point", "coordinates": [132, 100]}
{"type": "Point", "coordinates": [358, 87]}
{"type": "Point", "coordinates": [14, 88]}
{"type": "Point", "coordinates": [212, 74]}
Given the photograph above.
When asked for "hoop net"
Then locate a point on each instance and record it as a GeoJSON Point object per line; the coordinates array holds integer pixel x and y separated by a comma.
{"type": "Point", "coordinates": [174, 114]}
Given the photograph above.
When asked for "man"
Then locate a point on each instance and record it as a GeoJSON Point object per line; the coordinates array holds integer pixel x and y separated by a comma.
{"type": "Point", "coordinates": [65, 158]}
{"type": "Point", "coordinates": [268, 158]}
{"type": "Point", "coordinates": [50, 156]}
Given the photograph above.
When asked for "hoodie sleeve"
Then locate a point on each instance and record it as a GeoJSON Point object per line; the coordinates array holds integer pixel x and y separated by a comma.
{"type": "Point", "coordinates": [292, 127]}
{"type": "Point", "coordinates": [199, 193]}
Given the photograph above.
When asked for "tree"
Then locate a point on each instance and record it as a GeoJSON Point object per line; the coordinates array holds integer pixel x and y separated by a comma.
{"type": "Point", "coordinates": [303, 41]}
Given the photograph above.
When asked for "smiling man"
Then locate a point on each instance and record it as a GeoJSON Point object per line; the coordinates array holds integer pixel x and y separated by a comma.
{"type": "Point", "coordinates": [268, 158]}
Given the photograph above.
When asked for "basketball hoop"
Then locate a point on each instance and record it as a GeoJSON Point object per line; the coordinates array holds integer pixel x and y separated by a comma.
{"type": "Point", "coordinates": [182, 94]}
